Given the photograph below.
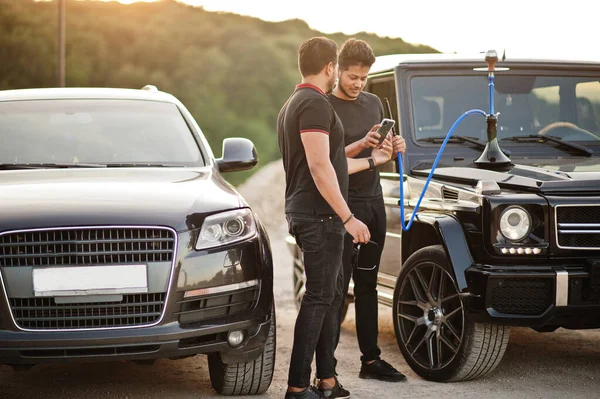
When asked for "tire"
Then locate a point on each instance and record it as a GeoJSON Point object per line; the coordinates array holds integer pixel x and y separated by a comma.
{"type": "Point", "coordinates": [299, 279]}
{"type": "Point", "coordinates": [435, 334]}
{"type": "Point", "coordinates": [249, 378]}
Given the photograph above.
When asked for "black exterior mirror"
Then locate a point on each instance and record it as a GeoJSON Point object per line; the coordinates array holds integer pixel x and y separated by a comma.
{"type": "Point", "coordinates": [238, 154]}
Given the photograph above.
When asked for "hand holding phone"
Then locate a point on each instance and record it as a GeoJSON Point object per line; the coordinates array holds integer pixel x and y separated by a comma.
{"type": "Point", "coordinates": [386, 126]}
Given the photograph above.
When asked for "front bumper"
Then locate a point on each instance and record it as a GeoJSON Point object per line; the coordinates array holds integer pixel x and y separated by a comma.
{"type": "Point", "coordinates": [221, 299]}
{"type": "Point", "coordinates": [541, 297]}
{"type": "Point", "coordinates": [161, 341]}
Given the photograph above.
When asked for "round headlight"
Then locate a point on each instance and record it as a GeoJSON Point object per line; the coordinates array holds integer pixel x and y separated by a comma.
{"type": "Point", "coordinates": [212, 233]}
{"type": "Point", "coordinates": [235, 227]}
{"type": "Point", "coordinates": [515, 223]}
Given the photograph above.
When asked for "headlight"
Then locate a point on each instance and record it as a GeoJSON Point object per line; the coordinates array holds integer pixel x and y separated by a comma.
{"type": "Point", "coordinates": [515, 223]}
{"type": "Point", "coordinates": [226, 228]}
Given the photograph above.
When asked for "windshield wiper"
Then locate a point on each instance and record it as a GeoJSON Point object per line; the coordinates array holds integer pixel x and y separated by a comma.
{"type": "Point", "coordinates": [543, 138]}
{"type": "Point", "coordinates": [141, 165]}
{"type": "Point", "coordinates": [460, 139]}
{"type": "Point", "coordinates": [24, 165]}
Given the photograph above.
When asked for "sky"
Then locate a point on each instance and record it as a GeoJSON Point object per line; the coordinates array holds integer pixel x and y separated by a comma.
{"type": "Point", "coordinates": [523, 28]}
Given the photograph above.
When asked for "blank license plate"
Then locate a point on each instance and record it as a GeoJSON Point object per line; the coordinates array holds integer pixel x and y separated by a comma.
{"type": "Point", "coordinates": [90, 280]}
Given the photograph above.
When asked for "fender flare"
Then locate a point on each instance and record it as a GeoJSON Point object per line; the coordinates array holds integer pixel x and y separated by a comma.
{"type": "Point", "coordinates": [452, 237]}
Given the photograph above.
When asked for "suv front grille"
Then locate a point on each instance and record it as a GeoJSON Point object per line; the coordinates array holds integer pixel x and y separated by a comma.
{"type": "Point", "coordinates": [522, 296]}
{"type": "Point", "coordinates": [82, 246]}
{"type": "Point", "coordinates": [89, 246]}
{"type": "Point", "coordinates": [44, 313]}
{"type": "Point", "coordinates": [578, 227]}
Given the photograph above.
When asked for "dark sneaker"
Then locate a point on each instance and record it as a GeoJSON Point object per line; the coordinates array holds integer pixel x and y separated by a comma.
{"type": "Point", "coordinates": [337, 391]}
{"type": "Point", "coordinates": [309, 393]}
{"type": "Point", "coordinates": [382, 371]}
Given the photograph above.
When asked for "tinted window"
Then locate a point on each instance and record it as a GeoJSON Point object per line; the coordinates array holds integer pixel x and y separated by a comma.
{"type": "Point", "coordinates": [565, 107]}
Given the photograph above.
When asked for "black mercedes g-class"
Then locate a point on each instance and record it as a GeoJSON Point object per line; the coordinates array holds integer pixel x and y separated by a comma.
{"type": "Point", "coordinates": [120, 239]}
{"type": "Point", "coordinates": [500, 240]}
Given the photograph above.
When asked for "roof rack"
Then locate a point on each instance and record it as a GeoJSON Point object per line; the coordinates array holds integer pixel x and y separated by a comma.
{"type": "Point", "coordinates": [150, 88]}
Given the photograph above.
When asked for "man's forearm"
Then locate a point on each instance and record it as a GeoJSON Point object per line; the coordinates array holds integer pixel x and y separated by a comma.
{"type": "Point", "coordinates": [353, 149]}
{"type": "Point", "coordinates": [326, 181]}
{"type": "Point", "coordinates": [357, 165]}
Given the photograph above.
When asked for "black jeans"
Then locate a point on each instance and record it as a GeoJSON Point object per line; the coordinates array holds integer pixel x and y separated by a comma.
{"type": "Point", "coordinates": [321, 239]}
{"type": "Point", "coordinates": [372, 213]}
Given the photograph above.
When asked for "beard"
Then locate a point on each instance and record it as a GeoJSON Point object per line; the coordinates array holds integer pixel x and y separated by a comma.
{"type": "Point", "coordinates": [331, 84]}
{"type": "Point", "coordinates": [348, 94]}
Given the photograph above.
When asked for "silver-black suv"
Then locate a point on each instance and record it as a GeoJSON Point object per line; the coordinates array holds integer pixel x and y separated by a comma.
{"type": "Point", "coordinates": [120, 239]}
{"type": "Point", "coordinates": [508, 239]}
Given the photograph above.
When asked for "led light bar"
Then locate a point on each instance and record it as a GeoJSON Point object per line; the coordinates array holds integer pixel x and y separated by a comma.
{"type": "Point", "coordinates": [521, 251]}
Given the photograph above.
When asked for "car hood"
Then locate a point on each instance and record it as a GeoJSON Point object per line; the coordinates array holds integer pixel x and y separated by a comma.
{"type": "Point", "coordinates": [556, 176]}
{"type": "Point", "coordinates": [179, 198]}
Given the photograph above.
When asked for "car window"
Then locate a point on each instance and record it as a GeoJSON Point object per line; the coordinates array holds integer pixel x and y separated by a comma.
{"type": "Point", "coordinates": [566, 107]}
{"type": "Point", "coordinates": [96, 131]}
{"type": "Point", "coordinates": [588, 106]}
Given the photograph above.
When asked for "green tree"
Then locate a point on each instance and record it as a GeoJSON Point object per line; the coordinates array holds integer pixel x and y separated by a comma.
{"type": "Point", "coordinates": [232, 72]}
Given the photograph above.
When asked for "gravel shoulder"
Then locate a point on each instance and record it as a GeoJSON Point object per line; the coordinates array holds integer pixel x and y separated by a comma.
{"type": "Point", "coordinates": [536, 365]}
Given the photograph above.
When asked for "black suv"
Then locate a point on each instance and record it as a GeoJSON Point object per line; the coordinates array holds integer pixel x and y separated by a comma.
{"type": "Point", "coordinates": [506, 240]}
{"type": "Point", "coordinates": [120, 239]}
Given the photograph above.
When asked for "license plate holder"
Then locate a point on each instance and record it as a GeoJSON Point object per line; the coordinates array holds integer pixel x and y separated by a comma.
{"type": "Point", "coordinates": [90, 280]}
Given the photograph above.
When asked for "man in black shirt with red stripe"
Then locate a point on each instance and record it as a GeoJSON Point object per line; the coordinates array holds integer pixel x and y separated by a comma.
{"type": "Point", "coordinates": [359, 110]}
{"type": "Point", "coordinates": [311, 141]}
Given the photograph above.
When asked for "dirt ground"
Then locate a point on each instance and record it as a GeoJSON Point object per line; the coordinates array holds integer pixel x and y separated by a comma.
{"type": "Point", "coordinates": [563, 364]}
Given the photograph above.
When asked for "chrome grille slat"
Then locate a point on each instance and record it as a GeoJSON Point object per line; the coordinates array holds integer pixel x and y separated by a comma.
{"type": "Point", "coordinates": [98, 253]}
{"type": "Point", "coordinates": [78, 317]}
{"type": "Point", "coordinates": [578, 226]}
{"type": "Point", "coordinates": [89, 242]}
{"type": "Point", "coordinates": [70, 307]}
{"type": "Point", "coordinates": [579, 231]}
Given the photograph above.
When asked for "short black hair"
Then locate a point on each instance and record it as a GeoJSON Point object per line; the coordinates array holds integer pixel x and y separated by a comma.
{"type": "Point", "coordinates": [315, 53]}
{"type": "Point", "coordinates": [355, 52]}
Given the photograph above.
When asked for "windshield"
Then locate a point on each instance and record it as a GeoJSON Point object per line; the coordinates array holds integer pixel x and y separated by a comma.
{"type": "Point", "coordinates": [558, 106]}
{"type": "Point", "coordinates": [96, 132]}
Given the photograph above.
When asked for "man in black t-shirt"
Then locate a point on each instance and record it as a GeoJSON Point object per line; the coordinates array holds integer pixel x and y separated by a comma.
{"type": "Point", "coordinates": [358, 111]}
{"type": "Point", "coordinates": [311, 141]}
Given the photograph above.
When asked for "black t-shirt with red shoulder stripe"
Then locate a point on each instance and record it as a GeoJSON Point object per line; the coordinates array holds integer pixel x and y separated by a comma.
{"type": "Point", "coordinates": [308, 110]}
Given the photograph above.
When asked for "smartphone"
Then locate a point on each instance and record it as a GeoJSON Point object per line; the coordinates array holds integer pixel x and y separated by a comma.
{"type": "Point", "coordinates": [386, 126]}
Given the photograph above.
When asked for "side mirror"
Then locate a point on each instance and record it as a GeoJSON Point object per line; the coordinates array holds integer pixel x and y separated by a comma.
{"type": "Point", "coordinates": [238, 154]}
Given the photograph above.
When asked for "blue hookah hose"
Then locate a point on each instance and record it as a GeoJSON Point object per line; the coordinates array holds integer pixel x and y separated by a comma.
{"type": "Point", "coordinates": [491, 63]}
{"type": "Point", "coordinates": [401, 170]}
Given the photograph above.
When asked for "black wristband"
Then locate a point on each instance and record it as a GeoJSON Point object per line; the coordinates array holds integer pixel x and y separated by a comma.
{"type": "Point", "coordinates": [371, 163]}
{"type": "Point", "coordinates": [349, 217]}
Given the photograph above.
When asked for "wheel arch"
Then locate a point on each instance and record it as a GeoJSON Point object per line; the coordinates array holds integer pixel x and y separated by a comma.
{"type": "Point", "coordinates": [440, 229]}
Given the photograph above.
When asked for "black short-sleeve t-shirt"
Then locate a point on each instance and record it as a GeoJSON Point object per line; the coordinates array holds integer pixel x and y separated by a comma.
{"type": "Point", "coordinates": [308, 109]}
{"type": "Point", "coordinates": [358, 117]}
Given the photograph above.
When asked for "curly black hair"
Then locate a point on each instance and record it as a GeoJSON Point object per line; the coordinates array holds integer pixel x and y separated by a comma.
{"type": "Point", "coordinates": [355, 52]}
